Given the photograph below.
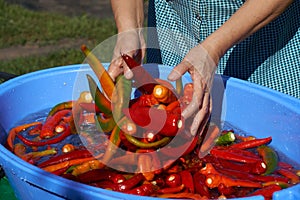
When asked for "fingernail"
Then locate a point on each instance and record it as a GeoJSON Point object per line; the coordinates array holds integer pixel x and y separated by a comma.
{"type": "Point", "coordinates": [128, 74]}
{"type": "Point", "coordinates": [173, 76]}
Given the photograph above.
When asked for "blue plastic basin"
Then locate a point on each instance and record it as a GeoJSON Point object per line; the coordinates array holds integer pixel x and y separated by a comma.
{"type": "Point", "coordinates": [251, 108]}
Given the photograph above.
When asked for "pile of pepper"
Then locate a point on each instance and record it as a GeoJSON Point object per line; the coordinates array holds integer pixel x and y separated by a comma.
{"type": "Point", "coordinates": [142, 146]}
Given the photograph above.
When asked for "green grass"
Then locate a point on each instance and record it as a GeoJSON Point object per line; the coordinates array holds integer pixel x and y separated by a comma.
{"type": "Point", "coordinates": [19, 26]}
{"type": "Point", "coordinates": [33, 63]}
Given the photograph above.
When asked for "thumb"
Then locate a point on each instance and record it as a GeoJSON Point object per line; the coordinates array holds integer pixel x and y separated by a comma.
{"type": "Point", "coordinates": [115, 68]}
{"type": "Point", "coordinates": [179, 70]}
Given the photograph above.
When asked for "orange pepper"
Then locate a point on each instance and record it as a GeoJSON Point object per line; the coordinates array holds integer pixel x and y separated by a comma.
{"type": "Point", "coordinates": [163, 94]}
{"type": "Point", "coordinates": [52, 168]}
{"type": "Point", "coordinates": [103, 76]}
{"type": "Point", "coordinates": [14, 131]}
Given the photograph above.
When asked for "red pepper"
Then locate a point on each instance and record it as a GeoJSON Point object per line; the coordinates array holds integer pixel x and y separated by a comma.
{"type": "Point", "coordinates": [143, 79]}
{"type": "Point", "coordinates": [169, 190]}
{"type": "Point", "coordinates": [154, 119]}
{"type": "Point", "coordinates": [130, 183]}
{"type": "Point", "coordinates": [267, 192]}
{"type": "Point", "coordinates": [60, 171]}
{"type": "Point", "coordinates": [242, 152]}
{"type": "Point", "coordinates": [100, 175]}
{"type": "Point", "coordinates": [104, 184]}
{"type": "Point", "coordinates": [213, 181]}
{"type": "Point", "coordinates": [292, 176]}
{"type": "Point", "coordinates": [147, 100]}
{"type": "Point", "coordinates": [223, 189]}
{"type": "Point", "coordinates": [182, 150]}
{"type": "Point", "coordinates": [223, 154]}
{"type": "Point", "coordinates": [54, 140]}
{"type": "Point", "coordinates": [15, 131]}
{"type": "Point", "coordinates": [252, 143]}
{"type": "Point", "coordinates": [80, 153]}
{"type": "Point", "coordinates": [246, 176]}
{"type": "Point", "coordinates": [90, 107]}
{"type": "Point", "coordinates": [200, 186]}
{"type": "Point", "coordinates": [143, 190]}
{"type": "Point", "coordinates": [187, 180]}
{"type": "Point", "coordinates": [48, 128]}
{"type": "Point", "coordinates": [253, 168]}
{"type": "Point", "coordinates": [173, 180]}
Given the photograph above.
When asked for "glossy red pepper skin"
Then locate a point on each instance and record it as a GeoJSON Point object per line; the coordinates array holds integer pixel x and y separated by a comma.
{"type": "Point", "coordinates": [53, 140]}
{"type": "Point", "coordinates": [143, 79]}
{"type": "Point", "coordinates": [60, 171]}
{"type": "Point", "coordinates": [182, 150]}
{"type": "Point", "coordinates": [187, 180]}
{"type": "Point", "coordinates": [292, 176]}
{"type": "Point", "coordinates": [51, 122]}
{"type": "Point", "coordinates": [130, 183]}
{"type": "Point", "coordinates": [267, 192]}
{"type": "Point", "coordinates": [200, 186]}
{"type": "Point", "coordinates": [170, 190]}
{"type": "Point", "coordinates": [253, 168]}
{"type": "Point", "coordinates": [150, 118]}
{"type": "Point", "coordinates": [97, 175]}
{"type": "Point", "coordinates": [80, 153]}
{"type": "Point", "coordinates": [143, 190]}
{"type": "Point", "coordinates": [252, 143]}
{"type": "Point", "coordinates": [223, 154]}
{"type": "Point", "coordinates": [173, 180]}
{"type": "Point", "coordinates": [252, 177]}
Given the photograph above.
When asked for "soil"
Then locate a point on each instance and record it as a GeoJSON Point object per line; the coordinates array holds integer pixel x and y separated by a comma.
{"type": "Point", "coordinates": [97, 8]}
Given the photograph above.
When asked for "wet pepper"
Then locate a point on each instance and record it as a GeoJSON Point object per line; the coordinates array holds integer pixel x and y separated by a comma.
{"type": "Point", "coordinates": [53, 140]}
{"type": "Point", "coordinates": [103, 76]}
{"type": "Point", "coordinates": [48, 128]}
{"type": "Point", "coordinates": [100, 100]}
{"type": "Point", "coordinates": [270, 157]}
{"type": "Point", "coordinates": [150, 118]}
{"type": "Point", "coordinates": [143, 79]}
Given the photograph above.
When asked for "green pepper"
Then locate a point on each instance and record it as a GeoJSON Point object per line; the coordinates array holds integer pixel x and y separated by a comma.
{"type": "Point", "coordinates": [141, 144]}
{"type": "Point", "coordinates": [114, 142]}
{"type": "Point", "coordinates": [60, 106]}
{"type": "Point", "coordinates": [270, 158]}
{"type": "Point", "coordinates": [179, 86]}
{"type": "Point", "coordinates": [225, 139]}
{"type": "Point", "coordinates": [121, 96]}
{"type": "Point", "coordinates": [100, 100]}
{"type": "Point", "coordinates": [105, 124]}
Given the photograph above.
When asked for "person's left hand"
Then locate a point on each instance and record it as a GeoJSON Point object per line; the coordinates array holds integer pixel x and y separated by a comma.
{"type": "Point", "coordinates": [132, 43]}
{"type": "Point", "coordinates": [202, 69]}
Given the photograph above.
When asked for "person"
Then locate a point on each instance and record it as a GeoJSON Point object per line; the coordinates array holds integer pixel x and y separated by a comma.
{"type": "Point", "coordinates": [253, 40]}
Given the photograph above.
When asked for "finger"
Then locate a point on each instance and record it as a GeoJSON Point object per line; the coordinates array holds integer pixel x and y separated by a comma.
{"type": "Point", "coordinates": [127, 72]}
{"type": "Point", "coordinates": [201, 115]}
{"type": "Point", "coordinates": [115, 68]}
{"type": "Point", "coordinates": [179, 70]}
{"type": "Point", "coordinates": [196, 99]}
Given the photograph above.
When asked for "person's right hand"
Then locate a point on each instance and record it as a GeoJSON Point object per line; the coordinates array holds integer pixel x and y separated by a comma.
{"type": "Point", "coordinates": [132, 43]}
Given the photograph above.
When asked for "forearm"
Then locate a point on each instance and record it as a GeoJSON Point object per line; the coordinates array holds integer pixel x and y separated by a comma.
{"type": "Point", "coordinates": [129, 14]}
{"type": "Point", "coordinates": [252, 16]}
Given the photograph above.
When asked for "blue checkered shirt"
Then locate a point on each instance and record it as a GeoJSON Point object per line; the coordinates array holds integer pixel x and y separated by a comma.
{"type": "Point", "coordinates": [269, 57]}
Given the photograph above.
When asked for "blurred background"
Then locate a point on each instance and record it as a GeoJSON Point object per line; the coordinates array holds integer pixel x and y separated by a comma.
{"type": "Point", "coordinates": [40, 34]}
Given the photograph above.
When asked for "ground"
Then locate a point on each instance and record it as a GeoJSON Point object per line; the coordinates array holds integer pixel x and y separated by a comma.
{"type": "Point", "coordinates": [96, 8]}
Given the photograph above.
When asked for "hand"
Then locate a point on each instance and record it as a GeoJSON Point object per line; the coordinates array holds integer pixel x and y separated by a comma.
{"type": "Point", "coordinates": [202, 69]}
{"type": "Point", "coordinates": [133, 44]}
